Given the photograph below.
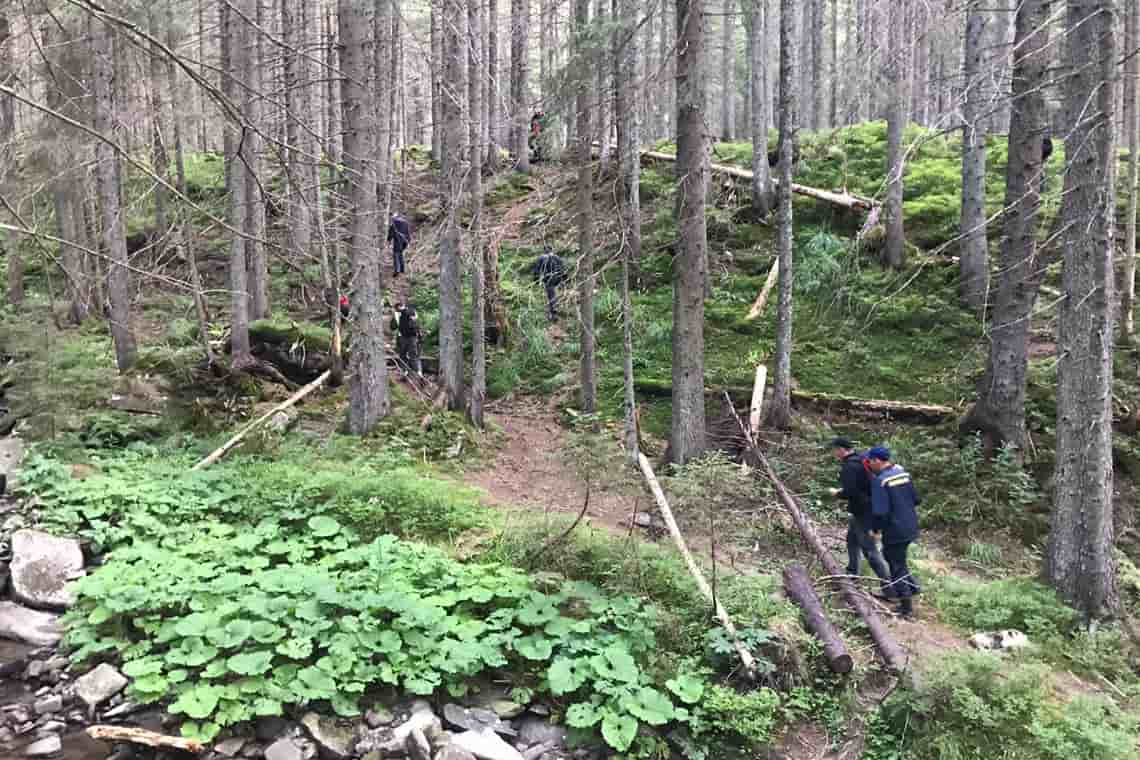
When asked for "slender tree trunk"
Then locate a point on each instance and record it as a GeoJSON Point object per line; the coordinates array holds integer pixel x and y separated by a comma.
{"type": "Point", "coordinates": [299, 154]}
{"type": "Point", "coordinates": [478, 324]}
{"type": "Point", "coordinates": [493, 85]}
{"type": "Point", "coordinates": [973, 253]}
{"type": "Point", "coordinates": [1132, 134]}
{"type": "Point", "coordinates": [1079, 560]}
{"type": "Point", "coordinates": [158, 149]}
{"type": "Point", "coordinates": [780, 407]}
{"type": "Point", "coordinates": [604, 101]}
{"type": "Point", "coordinates": [727, 70]}
{"type": "Point", "coordinates": [687, 431]}
{"type": "Point", "coordinates": [256, 258]}
{"type": "Point", "coordinates": [833, 67]}
{"type": "Point", "coordinates": [384, 89]}
{"type": "Point", "coordinates": [895, 253]}
{"type": "Point", "coordinates": [368, 379]}
{"type": "Point", "coordinates": [450, 275]}
{"type": "Point", "coordinates": [436, 80]}
{"type": "Point", "coordinates": [1000, 409]}
{"type": "Point", "coordinates": [585, 214]}
{"type": "Point", "coordinates": [819, 88]}
{"type": "Point", "coordinates": [627, 76]}
{"type": "Point", "coordinates": [520, 119]}
{"type": "Point", "coordinates": [237, 51]}
{"type": "Point", "coordinates": [758, 117]}
{"type": "Point", "coordinates": [107, 174]}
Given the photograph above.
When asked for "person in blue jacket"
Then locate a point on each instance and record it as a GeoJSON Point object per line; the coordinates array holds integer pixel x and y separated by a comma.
{"type": "Point", "coordinates": [894, 517]}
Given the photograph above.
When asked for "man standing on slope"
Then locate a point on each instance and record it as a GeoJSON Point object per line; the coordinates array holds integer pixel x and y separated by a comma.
{"type": "Point", "coordinates": [894, 516]}
{"type": "Point", "coordinates": [855, 489]}
{"type": "Point", "coordinates": [399, 235]}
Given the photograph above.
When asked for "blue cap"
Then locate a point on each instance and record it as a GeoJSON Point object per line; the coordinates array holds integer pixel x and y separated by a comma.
{"type": "Point", "coordinates": [879, 452]}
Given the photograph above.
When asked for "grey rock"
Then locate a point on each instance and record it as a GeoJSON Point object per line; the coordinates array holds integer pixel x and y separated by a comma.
{"type": "Point", "coordinates": [126, 708]}
{"type": "Point", "coordinates": [538, 751]}
{"type": "Point", "coordinates": [378, 717]}
{"type": "Point", "coordinates": [417, 745]}
{"type": "Point", "coordinates": [421, 705]}
{"type": "Point", "coordinates": [47, 705]}
{"type": "Point", "coordinates": [53, 727]}
{"type": "Point", "coordinates": [486, 745]}
{"type": "Point", "coordinates": [57, 663]}
{"type": "Point", "coordinates": [99, 685]}
{"type": "Point", "coordinates": [253, 751]}
{"type": "Point", "coordinates": [11, 454]}
{"type": "Point", "coordinates": [533, 730]}
{"type": "Point", "coordinates": [230, 747]}
{"type": "Point", "coordinates": [30, 626]}
{"type": "Point", "coordinates": [475, 719]}
{"type": "Point", "coordinates": [270, 728]}
{"type": "Point", "coordinates": [284, 749]}
{"type": "Point", "coordinates": [36, 668]}
{"type": "Point", "coordinates": [44, 747]}
{"type": "Point", "coordinates": [453, 752]}
{"type": "Point", "coordinates": [333, 739]}
{"type": "Point", "coordinates": [43, 567]}
{"type": "Point", "coordinates": [424, 721]}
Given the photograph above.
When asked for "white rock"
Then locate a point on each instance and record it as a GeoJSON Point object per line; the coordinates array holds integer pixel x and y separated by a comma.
{"type": "Point", "coordinates": [11, 454]}
{"type": "Point", "coordinates": [486, 745]}
{"type": "Point", "coordinates": [284, 749]}
{"type": "Point", "coordinates": [230, 747]}
{"type": "Point", "coordinates": [44, 747]}
{"type": "Point", "coordinates": [42, 568]}
{"type": "Point", "coordinates": [30, 626]}
{"type": "Point", "coordinates": [333, 738]}
{"type": "Point", "coordinates": [99, 685]}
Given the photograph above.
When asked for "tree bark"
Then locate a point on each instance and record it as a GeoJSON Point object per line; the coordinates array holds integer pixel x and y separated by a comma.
{"type": "Point", "coordinates": [107, 176]}
{"type": "Point", "coordinates": [727, 72]}
{"type": "Point", "coordinates": [1000, 410]}
{"type": "Point", "coordinates": [805, 8]}
{"type": "Point", "coordinates": [234, 32]}
{"type": "Point", "coordinates": [973, 257]}
{"type": "Point", "coordinates": [797, 583]}
{"type": "Point", "coordinates": [159, 155]}
{"type": "Point", "coordinates": [817, 81]}
{"type": "Point", "coordinates": [436, 22]}
{"type": "Point", "coordinates": [450, 275]}
{"type": "Point", "coordinates": [493, 85]}
{"type": "Point", "coordinates": [687, 429]}
{"type": "Point", "coordinates": [604, 102]}
{"type": "Point", "coordinates": [833, 67]}
{"type": "Point", "coordinates": [780, 410]}
{"type": "Point", "coordinates": [298, 153]}
{"type": "Point", "coordinates": [368, 382]}
{"type": "Point", "coordinates": [478, 315]}
{"type": "Point", "coordinates": [895, 252]}
{"type": "Point", "coordinates": [626, 70]}
{"type": "Point", "coordinates": [256, 258]}
{"type": "Point", "coordinates": [1132, 134]}
{"type": "Point", "coordinates": [588, 398]}
{"type": "Point", "coordinates": [520, 119]}
{"type": "Point", "coordinates": [758, 114]}
{"type": "Point", "coordinates": [1079, 560]}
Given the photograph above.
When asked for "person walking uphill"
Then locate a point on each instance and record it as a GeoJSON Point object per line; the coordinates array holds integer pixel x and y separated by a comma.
{"type": "Point", "coordinates": [550, 273]}
{"type": "Point", "coordinates": [399, 235]}
{"type": "Point", "coordinates": [894, 514]}
{"type": "Point", "coordinates": [855, 482]}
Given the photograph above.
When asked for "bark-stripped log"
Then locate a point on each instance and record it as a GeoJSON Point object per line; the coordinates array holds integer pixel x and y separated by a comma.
{"type": "Point", "coordinates": [799, 587]}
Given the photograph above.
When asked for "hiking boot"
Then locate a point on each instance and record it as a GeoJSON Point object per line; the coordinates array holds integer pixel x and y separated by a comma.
{"type": "Point", "coordinates": [905, 608]}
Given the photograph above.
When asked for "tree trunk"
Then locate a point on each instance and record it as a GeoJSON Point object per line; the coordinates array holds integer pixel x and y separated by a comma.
{"type": "Point", "coordinates": [450, 274]}
{"type": "Point", "coordinates": [780, 409]}
{"type": "Point", "coordinates": [520, 119]}
{"type": "Point", "coordinates": [1079, 560]}
{"type": "Point", "coordinates": [604, 101]}
{"type": "Point", "coordinates": [895, 253]}
{"type": "Point", "coordinates": [368, 380]}
{"type": "Point", "coordinates": [384, 91]}
{"type": "Point", "coordinates": [687, 430]}
{"type": "Point", "coordinates": [158, 148]}
{"type": "Point", "coordinates": [234, 28]}
{"type": "Point", "coordinates": [107, 175]}
{"type": "Point", "coordinates": [478, 324]}
{"type": "Point", "coordinates": [805, 8]}
{"type": "Point", "coordinates": [817, 81]}
{"type": "Point", "coordinates": [626, 75]}
{"type": "Point", "coordinates": [1000, 410]}
{"type": "Point", "coordinates": [256, 258]}
{"type": "Point", "coordinates": [1132, 133]}
{"type": "Point", "coordinates": [833, 67]}
{"type": "Point", "coordinates": [727, 70]}
{"type": "Point", "coordinates": [299, 154]}
{"type": "Point", "coordinates": [973, 258]}
{"type": "Point", "coordinates": [758, 115]}
{"type": "Point", "coordinates": [585, 212]}
{"type": "Point", "coordinates": [492, 84]}
{"type": "Point", "coordinates": [436, 80]}
{"type": "Point", "coordinates": [797, 584]}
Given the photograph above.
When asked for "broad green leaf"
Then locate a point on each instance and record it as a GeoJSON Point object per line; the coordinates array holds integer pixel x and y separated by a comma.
{"type": "Point", "coordinates": [317, 680]}
{"type": "Point", "coordinates": [297, 649]}
{"type": "Point", "coordinates": [197, 701]}
{"type": "Point", "coordinates": [250, 663]}
{"type": "Point", "coordinates": [264, 632]}
{"type": "Point", "coordinates": [616, 664]}
{"type": "Point", "coordinates": [534, 647]}
{"type": "Point", "coordinates": [345, 705]}
{"type": "Point", "coordinates": [619, 731]}
{"type": "Point", "coordinates": [688, 688]}
{"type": "Point", "coordinates": [145, 667]}
{"type": "Point", "coordinates": [232, 635]}
{"type": "Point", "coordinates": [323, 526]}
{"type": "Point", "coordinates": [650, 706]}
{"type": "Point", "coordinates": [582, 715]}
{"type": "Point", "coordinates": [195, 624]}
{"type": "Point", "coordinates": [566, 675]}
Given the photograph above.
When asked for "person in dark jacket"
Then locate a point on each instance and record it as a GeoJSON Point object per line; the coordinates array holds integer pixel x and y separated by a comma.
{"type": "Point", "coordinates": [855, 489]}
{"type": "Point", "coordinates": [550, 272]}
{"type": "Point", "coordinates": [399, 235]}
{"type": "Point", "coordinates": [894, 514]}
{"type": "Point", "coordinates": [406, 325]}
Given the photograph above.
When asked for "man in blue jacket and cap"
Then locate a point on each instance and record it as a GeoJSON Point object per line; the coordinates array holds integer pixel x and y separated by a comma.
{"type": "Point", "coordinates": [894, 515]}
{"type": "Point", "coordinates": [855, 482]}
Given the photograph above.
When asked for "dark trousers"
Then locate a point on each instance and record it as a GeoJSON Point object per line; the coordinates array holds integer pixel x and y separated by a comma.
{"type": "Point", "coordinates": [551, 302]}
{"type": "Point", "coordinates": [409, 349]}
{"type": "Point", "coordinates": [859, 545]}
{"type": "Point", "coordinates": [903, 583]}
{"type": "Point", "coordinates": [397, 258]}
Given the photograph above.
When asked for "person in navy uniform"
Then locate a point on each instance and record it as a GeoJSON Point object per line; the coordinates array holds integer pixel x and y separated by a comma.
{"type": "Point", "coordinates": [399, 235]}
{"type": "Point", "coordinates": [894, 517]}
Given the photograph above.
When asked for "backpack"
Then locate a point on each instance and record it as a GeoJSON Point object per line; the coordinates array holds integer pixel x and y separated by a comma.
{"type": "Point", "coordinates": [409, 326]}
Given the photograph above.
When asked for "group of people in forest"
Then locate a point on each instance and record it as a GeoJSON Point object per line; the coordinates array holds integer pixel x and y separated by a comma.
{"type": "Point", "coordinates": [882, 507]}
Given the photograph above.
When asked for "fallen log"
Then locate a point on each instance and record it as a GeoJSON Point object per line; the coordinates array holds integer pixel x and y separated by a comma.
{"type": "Point", "coordinates": [287, 403]}
{"type": "Point", "coordinates": [799, 588]}
{"type": "Point", "coordinates": [844, 200]}
{"type": "Point", "coordinates": [662, 503]}
{"type": "Point", "coordinates": [762, 299]}
{"type": "Point", "coordinates": [892, 654]}
{"type": "Point", "coordinates": [133, 735]}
